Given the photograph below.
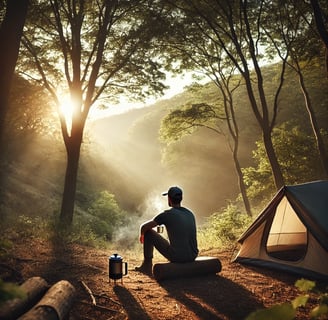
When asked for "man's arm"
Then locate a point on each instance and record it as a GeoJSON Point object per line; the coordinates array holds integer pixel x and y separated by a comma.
{"type": "Point", "coordinates": [145, 227]}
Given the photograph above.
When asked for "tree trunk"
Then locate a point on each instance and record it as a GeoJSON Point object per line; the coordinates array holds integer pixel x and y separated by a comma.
{"type": "Point", "coordinates": [315, 127]}
{"type": "Point", "coordinates": [319, 21]}
{"type": "Point", "coordinates": [10, 35]}
{"type": "Point", "coordinates": [261, 111]}
{"type": "Point", "coordinates": [73, 147]}
{"type": "Point", "coordinates": [241, 183]}
{"type": "Point", "coordinates": [275, 167]}
{"type": "Point", "coordinates": [55, 304]}
{"type": "Point", "coordinates": [266, 131]}
{"type": "Point", "coordinates": [234, 134]}
{"type": "Point", "coordinates": [11, 31]}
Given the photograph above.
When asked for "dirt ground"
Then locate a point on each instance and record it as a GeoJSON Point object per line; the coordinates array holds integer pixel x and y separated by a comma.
{"type": "Point", "coordinates": [231, 294]}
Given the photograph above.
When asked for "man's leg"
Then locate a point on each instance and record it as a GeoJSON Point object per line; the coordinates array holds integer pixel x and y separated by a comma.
{"type": "Point", "coordinates": [153, 239]}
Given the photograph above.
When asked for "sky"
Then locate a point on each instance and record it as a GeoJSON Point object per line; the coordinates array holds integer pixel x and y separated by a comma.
{"type": "Point", "coordinates": [176, 85]}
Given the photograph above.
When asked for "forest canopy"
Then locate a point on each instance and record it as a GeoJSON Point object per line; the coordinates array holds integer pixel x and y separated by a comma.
{"type": "Point", "coordinates": [266, 70]}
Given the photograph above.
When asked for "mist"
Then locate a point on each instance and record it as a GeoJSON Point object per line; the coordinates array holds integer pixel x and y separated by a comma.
{"type": "Point", "coordinates": [122, 154]}
{"type": "Point", "coordinates": [128, 152]}
{"type": "Point", "coordinates": [34, 177]}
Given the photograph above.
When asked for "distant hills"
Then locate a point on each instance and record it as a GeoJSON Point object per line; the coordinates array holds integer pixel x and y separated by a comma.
{"type": "Point", "coordinates": [131, 154]}
{"type": "Point", "coordinates": [201, 163]}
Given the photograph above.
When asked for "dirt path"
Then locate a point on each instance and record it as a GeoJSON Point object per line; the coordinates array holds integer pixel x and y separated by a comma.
{"type": "Point", "coordinates": [232, 294]}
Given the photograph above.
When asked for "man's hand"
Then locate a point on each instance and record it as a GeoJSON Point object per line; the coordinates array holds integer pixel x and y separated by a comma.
{"type": "Point", "coordinates": [145, 227]}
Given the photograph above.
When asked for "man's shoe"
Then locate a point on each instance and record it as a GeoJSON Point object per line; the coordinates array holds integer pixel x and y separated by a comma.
{"type": "Point", "coordinates": [145, 268]}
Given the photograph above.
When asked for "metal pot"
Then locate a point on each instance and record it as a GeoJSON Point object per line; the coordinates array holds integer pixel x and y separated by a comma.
{"type": "Point", "coordinates": [115, 267]}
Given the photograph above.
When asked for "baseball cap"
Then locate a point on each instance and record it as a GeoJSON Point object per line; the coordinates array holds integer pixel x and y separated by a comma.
{"type": "Point", "coordinates": [173, 192]}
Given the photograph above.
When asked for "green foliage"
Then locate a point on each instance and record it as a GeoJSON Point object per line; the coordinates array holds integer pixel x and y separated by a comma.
{"type": "Point", "coordinates": [287, 311]}
{"type": "Point", "coordinates": [30, 112]}
{"type": "Point", "coordinates": [319, 311]}
{"type": "Point", "coordinates": [25, 226]}
{"type": "Point", "coordinates": [95, 226]}
{"type": "Point", "coordinates": [126, 46]}
{"type": "Point", "coordinates": [106, 215]}
{"type": "Point", "coordinates": [4, 246]}
{"type": "Point", "coordinates": [185, 120]}
{"type": "Point", "coordinates": [282, 311]}
{"type": "Point", "coordinates": [305, 285]}
{"type": "Point", "coordinates": [224, 228]}
{"type": "Point", "coordinates": [79, 232]}
{"type": "Point", "coordinates": [9, 291]}
{"type": "Point", "coordinates": [297, 155]}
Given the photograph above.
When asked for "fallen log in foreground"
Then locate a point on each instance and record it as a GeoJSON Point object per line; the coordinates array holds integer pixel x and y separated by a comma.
{"type": "Point", "coordinates": [40, 303]}
{"type": "Point", "coordinates": [55, 304]}
{"type": "Point", "coordinates": [201, 266]}
{"type": "Point", "coordinates": [34, 288]}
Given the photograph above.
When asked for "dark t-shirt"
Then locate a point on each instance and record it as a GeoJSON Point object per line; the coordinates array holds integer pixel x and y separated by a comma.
{"type": "Point", "coordinates": [181, 229]}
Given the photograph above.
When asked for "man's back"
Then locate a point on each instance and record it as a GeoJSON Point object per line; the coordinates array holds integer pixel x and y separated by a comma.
{"type": "Point", "coordinates": [181, 229]}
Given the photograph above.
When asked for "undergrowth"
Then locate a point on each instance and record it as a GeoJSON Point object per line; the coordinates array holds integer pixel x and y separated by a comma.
{"type": "Point", "coordinates": [222, 229]}
{"type": "Point", "coordinates": [288, 310]}
{"type": "Point", "coordinates": [8, 290]}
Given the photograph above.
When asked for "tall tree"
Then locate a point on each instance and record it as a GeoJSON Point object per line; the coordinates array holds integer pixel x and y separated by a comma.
{"type": "Point", "coordinates": [11, 30]}
{"type": "Point", "coordinates": [188, 118]}
{"type": "Point", "coordinates": [85, 50]}
{"type": "Point", "coordinates": [321, 20]}
{"type": "Point", "coordinates": [297, 153]}
{"type": "Point", "coordinates": [297, 36]}
{"type": "Point", "coordinates": [234, 27]}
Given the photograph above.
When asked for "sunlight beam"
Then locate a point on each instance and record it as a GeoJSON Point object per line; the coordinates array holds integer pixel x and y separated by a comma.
{"type": "Point", "coordinates": [66, 108]}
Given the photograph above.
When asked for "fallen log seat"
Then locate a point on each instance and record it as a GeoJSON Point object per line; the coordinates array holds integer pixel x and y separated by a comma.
{"type": "Point", "coordinates": [201, 266]}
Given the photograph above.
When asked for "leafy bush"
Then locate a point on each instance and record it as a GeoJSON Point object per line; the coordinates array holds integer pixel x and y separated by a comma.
{"type": "Point", "coordinates": [8, 290]}
{"type": "Point", "coordinates": [287, 310]}
{"type": "Point", "coordinates": [4, 246]}
{"type": "Point", "coordinates": [96, 225]}
{"type": "Point", "coordinates": [80, 232]}
{"type": "Point", "coordinates": [93, 226]}
{"type": "Point", "coordinates": [26, 226]}
{"type": "Point", "coordinates": [106, 215]}
{"type": "Point", "coordinates": [298, 158]}
{"type": "Point", "coordinates": [224, 228]}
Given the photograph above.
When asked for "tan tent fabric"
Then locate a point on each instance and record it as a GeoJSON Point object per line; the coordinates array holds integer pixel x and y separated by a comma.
{"type": "Point", "coordinates": [284, 235]}
{"type": "Point", "coordinates": [287, 230]}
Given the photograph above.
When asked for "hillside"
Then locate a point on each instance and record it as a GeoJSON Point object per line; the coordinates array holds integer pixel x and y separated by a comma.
{"type": "Point", "coordinates": [132, 153]}
{"type": "Point", "coordinates": [202, 162]}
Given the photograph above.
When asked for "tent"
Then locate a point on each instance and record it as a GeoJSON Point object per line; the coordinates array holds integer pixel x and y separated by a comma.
{"type": "Point", "coordinates": [291, 233]}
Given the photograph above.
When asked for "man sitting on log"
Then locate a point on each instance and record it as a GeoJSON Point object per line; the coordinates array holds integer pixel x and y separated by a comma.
{"type": "Point", "coordinates": [181, 230]}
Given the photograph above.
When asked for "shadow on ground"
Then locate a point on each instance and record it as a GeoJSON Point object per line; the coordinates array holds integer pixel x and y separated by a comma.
{"type": "Point", "coordinates": [212, 297]}
{"type": "Point", "coordinates": [131, 305]}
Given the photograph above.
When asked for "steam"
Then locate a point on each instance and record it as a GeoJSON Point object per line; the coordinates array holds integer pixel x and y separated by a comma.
{"type": "Point", "coordinates": [157, 203]}
{"type": "Point", "coordinates": [132, 164]}
{"type": "Point", "coordinates": [128, 235]}
{"type": "Point", "coordinates": [128, 163]}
